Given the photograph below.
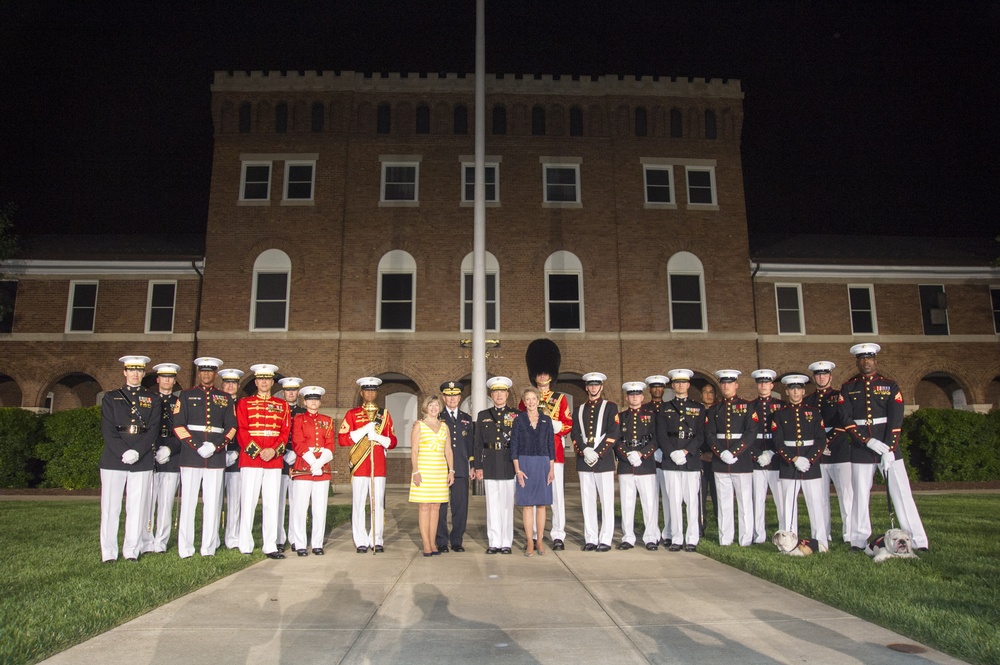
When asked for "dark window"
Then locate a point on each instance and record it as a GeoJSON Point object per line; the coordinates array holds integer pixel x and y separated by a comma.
{"type": "Point", "coordinates": [84, 307]}
{"type": "Point", "coordinates": [676, 124]}
{"type": "Point", "coordinates": [300, 182]}
{"type": "Point", "coordinates": [161, 308]}
{"type": "Point", "coordinates": [470, 183]}
{"type": "Point", "coordinates": [700, 188]}
{"type": "Point", "coordinates": [383, 119]}
{"type": "Point", "coordinates": [499, 119]}
{"type": "Point", "coordinates": [564, 302]}
{"type": "Point", "coordinates": [995, 298]}
{"type": "Point", "coordinates": [491, 302]}
{"type": "Point", "coordinates": [423, 119]}
{"type": "Point", "coordinates": [789, 316]}
{"type": "Point", "coordinates": [641, 123]}
{"type": "Point", "coordinates": [862, 311]}
{"type": "Point", "coordinates": [658, 186]}
{"type": "Point", "coordinates": [461, 119]}
{"type": "Point", "coordinates": [256, 182]}
{"type": "Point", "coordinates": [710, 131]}
{"type": "Point", "coordinates": [538, 121]}
{"type": "Point", "coordinates": [281, 118]}
{"type": "Point", "coordinates": [272, 300]}
{"type": "Point", "coordinates": [245, 118]}
{"type": "Point", "coordinates": [400, 183]}
{"type": "Point", "coordinates": [685, 302]}
{"type": "Point", "coordinates": [560, 184]}
{"type": "Point", "coordinates": [575, 121]}
{"type": "Point", "coordinates": [8, 298]}
{"type": "Point", "coordinates": [934, 309]}
{"type": "Point", "coordinates": [397, 301]}
{"type": "Point", "coordinates": [318, 117]}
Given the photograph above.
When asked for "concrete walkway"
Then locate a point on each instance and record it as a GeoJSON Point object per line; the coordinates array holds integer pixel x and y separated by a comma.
{"type": "Point", "coordinates": [565, 607]}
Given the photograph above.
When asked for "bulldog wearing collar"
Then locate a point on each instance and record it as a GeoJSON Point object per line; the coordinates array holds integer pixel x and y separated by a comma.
{"type": "Point", "coordinates": [895, 543]}
{"type": "Point", "coordinates": [788, 543]}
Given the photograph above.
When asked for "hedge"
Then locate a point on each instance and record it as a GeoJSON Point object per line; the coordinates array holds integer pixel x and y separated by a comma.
{"type": "Point", "coordinates": [19, 431]}
{"type": "Point", "coordinates": [947, 445]}
{"type": "Point", "coordinates": [72, 448]}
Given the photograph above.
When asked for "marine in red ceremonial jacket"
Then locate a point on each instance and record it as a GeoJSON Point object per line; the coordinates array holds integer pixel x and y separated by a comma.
{"type": "Point", "coordinates": [313, 441]}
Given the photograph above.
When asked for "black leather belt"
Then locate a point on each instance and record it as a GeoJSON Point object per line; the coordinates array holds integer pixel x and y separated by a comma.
{"type": "Point", "coordinates": [131, 429]}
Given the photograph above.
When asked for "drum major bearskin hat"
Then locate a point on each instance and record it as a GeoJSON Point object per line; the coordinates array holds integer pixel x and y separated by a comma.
{"type": "Point", "coordinates": [542, 356]}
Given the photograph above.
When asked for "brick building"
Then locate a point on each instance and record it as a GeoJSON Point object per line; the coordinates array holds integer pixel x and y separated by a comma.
{"type": "Point", "coordinates": [339, 239]}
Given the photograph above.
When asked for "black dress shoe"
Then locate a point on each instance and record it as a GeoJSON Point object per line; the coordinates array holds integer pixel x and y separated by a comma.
{"type": "Point", "coordinates": [652, 547]}
{"type": "Point", "coordinates": [132, 558]}
{"type": "Point", "coordinates": [923, 549]}
{"type": "Point", "coordinates": [603, 548]}
{"type": "Point", "coordinates": [624, 546]}
{"type": "Point", "coordinates": [281, 547]}
{"type": "Point", "coordinates": [673, 548]}
{"type": "Point", "coordinates": [666, 542]}
{"type": "Point", "coordinates": [492, 550]}
{"type": "Point", "coordinates": [558, 544]}
{"type": "Point", "coordinates": [379, 549]}
{"type": "Point", "coordinates": [318, 551]}
{"type": "Point", "coordinates": [302, 552]}
{"type": "Point", "coordinates": [455, 548]}
{"type": "Point", "coordinates": [108, 561]}
{"type": "Point", "coordinates": [362, 549]}
{"type": "Point", "coordinates": [274, 555]}
{"type": "Point", "coordinates": [690, 548]}
{"type": "Point", "coordinates": [442, 548]}
{"type": "Point", "coordinates": [505, 550]}
{"type": "Point", "coordinates": [589, 547]}
{"type": "Point", "coordinates": [855, 548]}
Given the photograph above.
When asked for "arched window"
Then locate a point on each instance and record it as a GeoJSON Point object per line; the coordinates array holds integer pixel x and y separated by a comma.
{"type": "Point", "coordinates": [575, 121]}
{"type": "Point", "coordinates": [245, 118]}
{"type": "Point", "coordinates": [383, 118]}
{"type": "Point", "coordinates": [492, 292]}
{"type": "Point", "coordinates": [676, 124]}
{"type": "Point", "coordinates": [423, 119]}
{"type": "Point", "coordinates": [397, 288]}
{"type": "Point", "coordinates": [281, 118]}
{"type": "Point", "coordinates": [461, 119]}
{"type": "Point", "coordinates": [499, 119]}
{"type": "Point", "coordinates": [538, 121]}
{"type": "Point", "coordinates": [271, 286]}
{"type": "Point", "coordinates": [686, 288]}
{"type": "Point", "coordinates": [710, 129]}
{"type": "Point", "coordinates": [563, 292]}
{"type": "Point", "coordinates": [641, 121]}
{"type": "Point", "coordinates": [318, 117]}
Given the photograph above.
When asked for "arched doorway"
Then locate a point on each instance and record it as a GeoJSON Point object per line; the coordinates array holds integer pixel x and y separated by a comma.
{"type": "Point", "coordinates": [74, 391]}
{"type": "Point", "coordinates": [939, 390]}
{"type": "Point", "coordinates": [401, 396]}
{"type": "Point", "coordinates": [993, 393]}
{"type": "Point", "coordinates": [10, 392]}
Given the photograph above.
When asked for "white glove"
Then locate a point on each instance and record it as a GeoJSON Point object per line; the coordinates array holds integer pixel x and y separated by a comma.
{"type": "Point", "coordinates": [634, 458]}
{"type": "Point", "coordinates": [658, 456]}
{"type": "Point", "coordinates": [727, 457]}
{"type": "Point", "coordinates": [309, 458]}
{"type": "Point", "coordinates": [130, 456]}
{"type": "Point", "coordinates": [316, 469]}
{"type": "Point", "coordinates": [325, 456]}
{"type": "Point", "coordinates": [162, 455]}
{"type": "Point", "coordinates": [887, 460]}
{"type": "Point", "coordinates": [381, 439]}
{"type": "Point", "coordinates": [231, 457]}
{"type": "Point", "coordinates": [765, 457]}
{"type": "Point", "coordinates": [590, 456]}
{"type": "Point", "coordinates": [359, 434]}
{"type": "Point", "coordinates": [802, 464]}
{"type": "Point", "coordinates": [827, 452]}
{"type": "Point", "coordinates": [206, 449]}
{"type": "Point", "coordinates": [877, 446]}
{"type": "Point", "coordinates": [289, 457]}
{"type": "Point", "coordinates": [678, 457]}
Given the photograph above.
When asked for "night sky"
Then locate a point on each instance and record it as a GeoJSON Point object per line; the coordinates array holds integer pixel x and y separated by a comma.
{"type": "Point", "coordinates": [858, 120]}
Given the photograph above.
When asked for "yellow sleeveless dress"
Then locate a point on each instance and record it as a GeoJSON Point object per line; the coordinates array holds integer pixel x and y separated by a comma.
{"type": "Point", "coordinates": [432, 465]}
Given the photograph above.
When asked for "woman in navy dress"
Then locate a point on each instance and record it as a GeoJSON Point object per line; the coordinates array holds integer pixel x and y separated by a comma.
{"type": "Point", "coordinates": [533, 453]}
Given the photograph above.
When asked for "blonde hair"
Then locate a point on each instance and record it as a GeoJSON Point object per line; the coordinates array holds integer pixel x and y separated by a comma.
{"type": "Point", "coordinates": [531, 390]}
{"type": "Point", "coordinates": [427, 402]}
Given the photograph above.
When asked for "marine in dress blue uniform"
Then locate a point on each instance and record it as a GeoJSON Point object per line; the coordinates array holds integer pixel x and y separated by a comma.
{"type": "Point", "coordinates": [594, 434]}
{"type": "Point", "coordinates": [835, 464]}
{"type": "Point", "coordinates": [494, 465]}
{"type": "Point", "coordinates": [637, 442]}
{"type": "Point", "coordinates": [231, 538]}
{"type": "Point", "coordinates": [290, 386]}
{"type": "Point", "coordinates": [682, 428]}
{"type": "Point", "coordinates": [765, 470]}
{"type": "Point", "coordinates": [167, 470]}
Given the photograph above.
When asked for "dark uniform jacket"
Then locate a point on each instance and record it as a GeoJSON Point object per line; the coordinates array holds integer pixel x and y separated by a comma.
{"type": "Point", "coordinates": [491, 451]}
{"type": "Point", "coordinates": [764, 408]}
{"type": "Point", "coordinates": [585, 434]}
{"type": "Point", "coordinates": [682, 426]}
{"type": "Point", "coordinates": [461, 441]}
{"type": "Point", "coordinates": [204, 415]}
{"type": "Point", "coordinates": [130, 420]}
{"type": "Point", "coordinates": [637, 431]}
{"type": "Point", "coordinates": [871, 407]}
{"type": "Point", "coordinates": [731, 425]}
{"type": "Point", "coordinates": [798, 432]}
{"type": "Point", "coordinates": [167, 437]}
{"type": "Point", "coordinates": [827, 402]}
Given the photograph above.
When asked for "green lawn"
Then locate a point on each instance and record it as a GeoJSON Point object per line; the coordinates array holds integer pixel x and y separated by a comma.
{"type": "Point", "coordinates": [57, 593]}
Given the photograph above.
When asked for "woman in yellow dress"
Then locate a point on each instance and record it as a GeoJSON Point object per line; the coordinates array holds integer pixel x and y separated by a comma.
{"type": "Point", "coordinates": [433, 469]}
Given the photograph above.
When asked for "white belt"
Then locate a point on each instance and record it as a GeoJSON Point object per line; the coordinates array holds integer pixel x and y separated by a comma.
{"type": "Point", "coordinates": [875, 421]}
{"type": "Point", "coordinates": [768, 435]}
{"type": "Point", "coordinates": [807, 442]}
{"type": "Point", "coordinates": [731, 435]}
{"type": "Point", "coordinates": [202, 428]}
{"type": "Point", "coordinates": [263, 432]}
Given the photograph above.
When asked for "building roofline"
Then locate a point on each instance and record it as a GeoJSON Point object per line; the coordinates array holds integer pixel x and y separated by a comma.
{"type": "Point", "coordinates": [35, 267]}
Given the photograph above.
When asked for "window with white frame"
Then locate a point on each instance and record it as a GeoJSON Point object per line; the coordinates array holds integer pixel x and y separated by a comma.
{"type": "Point", "coordinates": [564, 292]}
{"type": "Point", "coordinates": [995, 301]}
{"type": "Point", "coordinates": [400, 182]}
{"type": "Point", "coordinates": [561, 183]}
{"type": "Point", "coordinates": [299, 178]}
{"type": "Point", "coordinates": [271, 287]}
{"type": "Point", "coordinates": [659, 183]}
{"type": "Point", "coordinates": [492, 182]}
{"type": "Point", "coordinates": [686, 289]}
{"type": "Point", "coordinates": [82, 307]}
{"type": "Point", "coordinates": [255, 182]}
{"type": "Point", "coordinates": [160, 307]}
{"type": "Point", "coordinates": [862, 299]}
{"type": "Point", "coordinates": [789, 302]}
{"type": "Point", "coordinates": [492, 290]}
{"type": "Point", "coordinates": [934, 309]}
{"type": "Point", "coordinates": [700, 185]}
{"type": "Point", "coordinates": [397, 288]}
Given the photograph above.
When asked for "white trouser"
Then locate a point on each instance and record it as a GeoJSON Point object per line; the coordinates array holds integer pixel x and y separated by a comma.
{"type": "Point", "coordinates": [162, 508]}
{"type": "Point", "coordinates": [284, 498]}
{"type": "Point", "coordinates": [209, 481]}
{"type": "Point", "coordinates": [359, 491]}
{"type": "Point", "coordinates": [664, 489]}
{"type": "Point", "coordinates": [902, 503]}
{"type": "Point", "coordinates": [233, 502]}
{"type": "Point", "coordinates": [630, 485]}
{"type": "Point", "coordinates": [840, 475]}
{"type": "Point", "coordinates": [304, 492]}
{"type": "Point", "coordinates": [135, 487]}
{"type": "Point", "coordinates": [263, 484]}
{"type": "Point", "coordinates": [684, 488]}
{"type": "Point", "coordinates": [762, 480]}
{"type": "Point", "coordinates": [740, 484]}
{"type": "Point", "coordinates": [594, 486]}
{"type": "Point", "coordinates": [813, 491]}
{"type": "Point", "coordinates": [499, 512]}
{"type": "Point", "coordinates": [558, 530]}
